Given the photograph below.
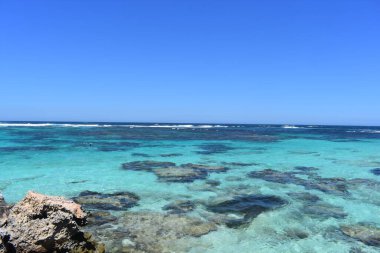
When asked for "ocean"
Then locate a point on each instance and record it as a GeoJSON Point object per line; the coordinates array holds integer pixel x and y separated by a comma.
{"type": "Point", "coordinates": [239, 188]}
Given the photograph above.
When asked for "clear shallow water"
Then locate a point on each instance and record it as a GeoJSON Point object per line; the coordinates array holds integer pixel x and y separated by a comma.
{"type": "Point", "coordinates": [68, 158]}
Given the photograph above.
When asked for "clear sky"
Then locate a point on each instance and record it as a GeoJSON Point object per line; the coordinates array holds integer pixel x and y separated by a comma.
{"type": "Point", "coordinates": [284, 61]}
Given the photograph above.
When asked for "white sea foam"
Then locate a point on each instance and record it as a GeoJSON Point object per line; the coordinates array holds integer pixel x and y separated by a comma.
{"type": "Point", "coordinates": [49, 125]}
{"type": "Point", "coordinates": [290, 127]}
{"type": "Point", "coordinates": [371, 131]}
{"type": "Point", "coordinates": [174, 126]}
{"type": "Point", "coordinates": [366, 131]}
{"type": "Point", "coordinates": [82, 125]}
{"type": "Point", "coordinates": [158, 126]}
{"type": "Point", "coordinates": [25, 124]}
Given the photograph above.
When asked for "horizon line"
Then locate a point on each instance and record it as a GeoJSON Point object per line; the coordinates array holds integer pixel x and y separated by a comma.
{"type": "Point", "coordinates": [197, 123]}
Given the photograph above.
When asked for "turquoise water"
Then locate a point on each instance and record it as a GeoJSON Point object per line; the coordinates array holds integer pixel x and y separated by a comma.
{"type": "Point", "coordinates": [66, 159]}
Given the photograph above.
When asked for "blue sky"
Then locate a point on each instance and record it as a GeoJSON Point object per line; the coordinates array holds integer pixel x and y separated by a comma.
{"type": "Point", "coordinates": [312, 62]}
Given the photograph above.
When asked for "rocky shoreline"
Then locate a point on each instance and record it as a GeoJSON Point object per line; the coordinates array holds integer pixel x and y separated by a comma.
{"type": "Point", "coordinates": [41, 223]}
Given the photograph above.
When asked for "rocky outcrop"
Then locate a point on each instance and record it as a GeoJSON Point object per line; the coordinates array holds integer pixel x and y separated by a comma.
{"type": "Point", "coordinates": [41, 223]}
{"type": "Point", "coordinates": [3, 234]}
{"type": "Point", "coordinates": [3, 210]}
{"type": "Point", "coordinates": [2, 203]}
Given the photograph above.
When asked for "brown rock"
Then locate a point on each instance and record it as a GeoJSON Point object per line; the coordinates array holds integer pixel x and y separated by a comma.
{"type": "Point", "coordinates": [41, 223]}
{"type": "Point", "coordinates": [3, 210]}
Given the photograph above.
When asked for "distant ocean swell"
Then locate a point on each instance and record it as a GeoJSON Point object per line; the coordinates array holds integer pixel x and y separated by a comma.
{"type": "Point", "coordinates": [108, 125]}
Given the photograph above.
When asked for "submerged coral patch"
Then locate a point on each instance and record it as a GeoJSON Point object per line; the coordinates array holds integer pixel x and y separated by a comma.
{"type": "Point", "coordinates": [305, 168]}
{"type": "Point", "coordinates": [115, 146]}
{"type": "Point", "coordinates": [151, 232]}
{"type": "Point", "coordinates": [213, 183]}
{"type": "Point", "coordinates": [107, 201]}
{"type": "Point", "coordinates": [376, 171]}
{"type": "Point", "coordinates": [246, 206]}
{"type": "Point", "coordinates": [98, 218]}
{"type": "Point", "coordinates": [337, 186]}
{"type": "Point", "coordinates": [78, 181]}
{"type": "Point", "coordinates": [276, 176]}
{"type": "Point", "coordinates": [141, 155]}
{"type": "Point", "coordinates": [180, 206]}
{"type": "Point", "coordinates": [26, 148]}
{"type": "Point", "coordinates": [180, 174]}
{"type": "Point", "coordinates": [169, 172]}
{"type": "Point", "coordinates": [369, 183]}
{"type": "Point", "coordinates": [366, 233]}
{"type": "Point", "coordinates": [323, 210]}
{"type": "Point", "coordinates": [146, 165]}
{"type": "Point", "coordinates": [213, 148]}
{"type": "Point", "coordinates": [240, 164]}
{"type": "Point", "coordinates": [206, 168]}
{"type": "Point", "coordinates": [295, 234]}
{"type": "Point", "coordinates": [171, 155]}
{"type": "Point", "coordinates": [188, 172]}
{"type": "Point", "coordinates": [304, 197]}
